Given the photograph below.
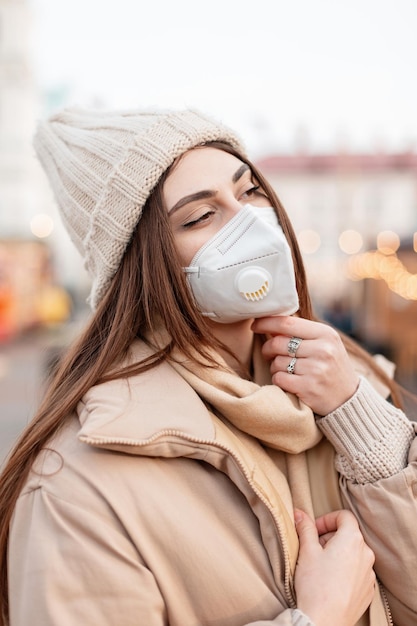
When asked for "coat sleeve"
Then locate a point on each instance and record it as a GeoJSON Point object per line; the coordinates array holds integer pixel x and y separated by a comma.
{"type": "Point", "coordinates": [376, 456]}
{"type": "Point", "coordinates": [69, 567]}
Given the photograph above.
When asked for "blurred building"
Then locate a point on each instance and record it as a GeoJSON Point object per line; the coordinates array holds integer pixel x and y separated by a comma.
{"type": "Point", "coordinates": [355, 217]}
{"type": "Point", "coordinates": [18, 110]}
{"type": "Point", "coordinates": [34, 264]}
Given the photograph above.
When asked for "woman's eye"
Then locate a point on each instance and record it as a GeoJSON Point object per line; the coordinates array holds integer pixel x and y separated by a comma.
{"type": "Point", "coordinates": [252, 191]}
{"type": "Point", "coordinates": [204, 217]}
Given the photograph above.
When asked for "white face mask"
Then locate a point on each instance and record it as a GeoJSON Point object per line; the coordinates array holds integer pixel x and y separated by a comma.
{"type": "Point", "coordinates": [245, 270]}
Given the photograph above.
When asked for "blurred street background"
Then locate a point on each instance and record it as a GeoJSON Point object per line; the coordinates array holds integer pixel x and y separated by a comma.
{"type": "Point", "coordinates": [324, 96]}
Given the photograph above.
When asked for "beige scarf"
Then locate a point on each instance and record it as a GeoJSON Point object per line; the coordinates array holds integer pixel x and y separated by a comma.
{"type": "Point", "coordinates": [261, 409]}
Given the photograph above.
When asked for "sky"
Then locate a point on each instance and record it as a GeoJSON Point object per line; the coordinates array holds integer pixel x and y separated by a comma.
{"type": "Point", "coordinates": [324, 74]}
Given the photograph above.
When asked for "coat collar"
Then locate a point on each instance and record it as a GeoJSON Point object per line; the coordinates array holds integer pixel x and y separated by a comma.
{"type": "Point", "coordinates": [138, 408]}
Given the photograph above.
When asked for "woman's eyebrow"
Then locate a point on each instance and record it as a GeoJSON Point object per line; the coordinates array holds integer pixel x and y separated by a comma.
{"type": "Point", "coordinates": [201, 195]}
{"type": "Point", "coordinates": [239, 173]}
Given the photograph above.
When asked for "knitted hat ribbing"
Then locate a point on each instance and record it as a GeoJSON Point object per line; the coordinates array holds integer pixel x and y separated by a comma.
{"type": "Point", "coordinates": [102, 167]}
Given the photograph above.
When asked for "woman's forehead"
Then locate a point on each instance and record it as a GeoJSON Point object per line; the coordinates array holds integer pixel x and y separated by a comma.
{"type": "Point", "coordinates": [200, 169]}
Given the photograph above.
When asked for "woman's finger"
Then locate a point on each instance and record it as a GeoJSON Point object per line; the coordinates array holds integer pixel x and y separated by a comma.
{"type": "Point", "coordinates": [290, 326]}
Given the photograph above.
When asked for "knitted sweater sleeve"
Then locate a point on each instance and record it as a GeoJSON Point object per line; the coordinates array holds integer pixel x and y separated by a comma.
{"type": "Point", "coordinates": [371, 436]}
{"type": "Point", "coordinates": [376, 456]}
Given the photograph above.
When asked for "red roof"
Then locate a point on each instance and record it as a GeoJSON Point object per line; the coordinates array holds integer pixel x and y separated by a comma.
{"type": "Point", "coordinates": [337, 162]}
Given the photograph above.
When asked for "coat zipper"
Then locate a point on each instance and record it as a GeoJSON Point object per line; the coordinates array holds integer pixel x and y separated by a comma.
{"type": "Point", "coordinates": [386, 604]}
{"type": "Point", "coordinates": [173, 433]}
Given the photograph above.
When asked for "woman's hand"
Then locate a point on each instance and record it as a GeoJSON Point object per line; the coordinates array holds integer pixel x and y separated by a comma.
{"type": "Point", "coordinates": [323, 376]}
{"type": "Point", "coordinates": [334, 580]}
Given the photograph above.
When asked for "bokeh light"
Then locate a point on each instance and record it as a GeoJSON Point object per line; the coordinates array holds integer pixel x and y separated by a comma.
{"type": "Point", "coordinates": [350, 241]}
{"type": "Point", "coordinates": [388, 242]}
{"type": "Point", "coordinates": [389, 268]}
{"type": "Point", "coordinates": [41, 225]}
{"type": "Point", "coordinates": [309, 241]}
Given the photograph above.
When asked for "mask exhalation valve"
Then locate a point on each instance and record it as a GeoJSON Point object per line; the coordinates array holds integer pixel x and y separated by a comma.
{"type": "Point", "coordinates": [253, 283]}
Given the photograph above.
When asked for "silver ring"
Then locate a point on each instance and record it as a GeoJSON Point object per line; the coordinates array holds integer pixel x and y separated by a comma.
{"type": "Point", "coordinates": [291, 366]}
{"type": "Point", "coordinates": [293, 345]}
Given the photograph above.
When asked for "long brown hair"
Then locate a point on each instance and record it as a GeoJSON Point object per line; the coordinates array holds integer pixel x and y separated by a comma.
{"type": "Point", "coordinates": [148, 290]}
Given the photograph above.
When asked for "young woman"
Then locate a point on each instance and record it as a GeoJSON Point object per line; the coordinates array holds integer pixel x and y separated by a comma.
{"type": "Point", "coordinates": [206, 453]}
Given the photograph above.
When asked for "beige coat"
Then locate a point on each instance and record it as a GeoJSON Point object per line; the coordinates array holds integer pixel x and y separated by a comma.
{"type": "Point", "coordinates": [149, 509]}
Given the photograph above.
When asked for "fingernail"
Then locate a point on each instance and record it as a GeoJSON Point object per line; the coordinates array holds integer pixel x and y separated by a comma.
{"type": "Point", "coordinates": [298, 516]}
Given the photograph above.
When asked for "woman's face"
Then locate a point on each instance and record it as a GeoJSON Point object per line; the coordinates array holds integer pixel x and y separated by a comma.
{"type": "Point", "coordinates": [203, 192]}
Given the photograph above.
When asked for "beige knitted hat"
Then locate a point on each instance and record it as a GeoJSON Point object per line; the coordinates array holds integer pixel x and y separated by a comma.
{"type": "Point", "coordinates": [102, 166]}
